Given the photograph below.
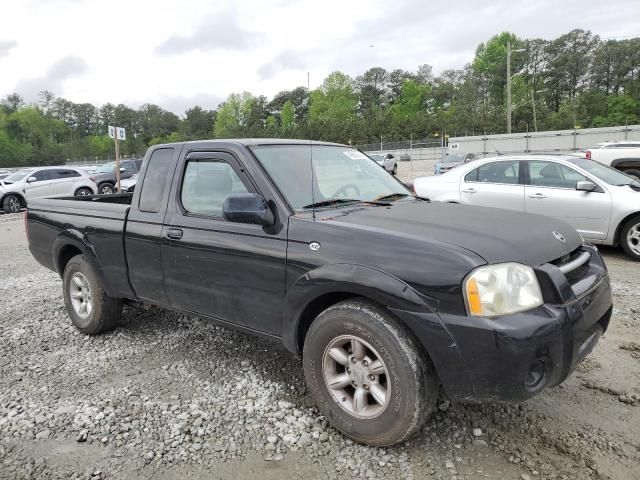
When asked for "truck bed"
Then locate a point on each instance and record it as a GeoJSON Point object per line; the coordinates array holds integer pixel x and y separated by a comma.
{"type": "Point", "coordinates": [96, 221]}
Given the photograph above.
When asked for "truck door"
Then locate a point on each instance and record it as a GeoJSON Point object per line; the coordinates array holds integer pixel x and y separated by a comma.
{"type": "Point", "coordinates": [143, 234]}
{"type": "Point", "coordinates": [230, 271]}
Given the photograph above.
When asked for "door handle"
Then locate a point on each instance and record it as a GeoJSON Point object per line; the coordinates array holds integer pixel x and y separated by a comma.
{"type": "Point", "coordinates": [469, 190]}
{"type": "Point", "coordinates": [174, 233]}
{"type": "Point", "coordinates": [538, 195]}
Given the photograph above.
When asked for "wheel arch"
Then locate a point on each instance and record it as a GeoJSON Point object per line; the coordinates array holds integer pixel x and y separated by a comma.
{"type": "Point", "coordinates": [71, 243]}
{"type": "Point", "coordinates": [621, 224]}
{"type": "Point", "coordinates": [22, 198]}
{"type": "Point", "coordinates": [330, 284]}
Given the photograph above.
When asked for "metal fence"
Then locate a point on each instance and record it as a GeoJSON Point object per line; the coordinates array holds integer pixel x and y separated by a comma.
{"type": "Point", "coordinates": [541, 142]}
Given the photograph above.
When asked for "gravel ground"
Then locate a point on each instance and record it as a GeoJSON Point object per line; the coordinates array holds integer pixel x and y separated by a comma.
{"type": "Point", "coordinates": [168, 397]}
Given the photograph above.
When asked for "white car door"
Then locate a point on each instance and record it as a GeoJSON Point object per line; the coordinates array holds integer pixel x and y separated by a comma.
{"type": "Point", "coordinates": [551, 191]}
{"type": "Point", "coordinates": [494, 184]}
{"type": "Point", "coordinates": [40, 187]}
{"type": "Point", "coordinates": [64, 181]}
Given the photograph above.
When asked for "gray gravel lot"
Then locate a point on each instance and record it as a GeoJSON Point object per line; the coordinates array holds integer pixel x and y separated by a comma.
{"type": "Point", "coordinates": [166, 396]}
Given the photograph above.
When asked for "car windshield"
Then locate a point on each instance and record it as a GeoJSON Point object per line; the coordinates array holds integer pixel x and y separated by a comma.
{"type": "Point", "coordinates": [340, 173]}
{"type": "Point", "coordinates": [17, 176]}
{"type": "Point", "coordinates": [606, 174]}
{"type": "Point", "coordinates": [453, 159]}
{"type": "Point", "coordinates": [106, 168]}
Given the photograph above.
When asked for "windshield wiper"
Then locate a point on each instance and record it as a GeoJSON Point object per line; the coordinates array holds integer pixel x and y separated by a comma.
{"type": "Point", "coordinates": [395, 196]}
{"type": "Point", "coordinates": [337, 201]}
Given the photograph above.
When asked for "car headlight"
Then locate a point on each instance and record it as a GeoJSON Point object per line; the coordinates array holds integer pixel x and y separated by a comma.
{"type": "Point", "coordinates": [501, 289]}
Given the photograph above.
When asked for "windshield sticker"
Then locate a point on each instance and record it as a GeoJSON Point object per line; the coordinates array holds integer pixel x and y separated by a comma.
{"type": "Point", "coordinates": [355, 155]}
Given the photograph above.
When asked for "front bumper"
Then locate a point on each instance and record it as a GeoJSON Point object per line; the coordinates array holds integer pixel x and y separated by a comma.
{"type": "Point", "coordinates": [513, 358]}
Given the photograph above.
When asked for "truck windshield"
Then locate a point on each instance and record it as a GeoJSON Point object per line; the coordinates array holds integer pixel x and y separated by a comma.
{"type": "Point", "coordinates": [340, 173]}
{"type": "Point", "coordinates": [603, 172]}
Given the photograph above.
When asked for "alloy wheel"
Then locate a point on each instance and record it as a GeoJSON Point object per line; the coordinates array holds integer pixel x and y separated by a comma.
{"type": "Point", "coordinates": [356, 376]}
{"type": "Point", "coordinates": [80, 293]}
{"type": "Point", "coordinates": [633, 238]}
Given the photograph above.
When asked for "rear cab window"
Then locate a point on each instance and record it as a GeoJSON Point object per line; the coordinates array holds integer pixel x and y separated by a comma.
{"type": "Point", "coordinates": [154, 182]}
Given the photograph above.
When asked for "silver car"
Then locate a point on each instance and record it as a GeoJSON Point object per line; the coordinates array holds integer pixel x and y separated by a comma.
{"type": "Point", "coordinates": [603, 204]}
{"type": "Point", "coordinates": [387, 161]}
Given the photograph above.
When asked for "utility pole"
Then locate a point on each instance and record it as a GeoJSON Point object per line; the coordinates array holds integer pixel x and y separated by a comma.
{"type": "Point", "coordinates": [508, 86]}
{"type": "Point", "coordinates": [533, 105]}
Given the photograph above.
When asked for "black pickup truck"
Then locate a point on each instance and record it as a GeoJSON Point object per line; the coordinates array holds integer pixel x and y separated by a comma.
{"type": "Point", "coordinates": [387, 296]}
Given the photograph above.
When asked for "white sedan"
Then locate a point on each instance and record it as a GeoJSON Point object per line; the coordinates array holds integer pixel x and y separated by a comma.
{"type": "Point", "coordinates": [603, 204]}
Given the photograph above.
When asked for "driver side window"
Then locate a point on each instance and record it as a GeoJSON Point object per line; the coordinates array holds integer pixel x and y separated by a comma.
{"type": "Point", "coordinates": [550, 174]}
{"type": "Point", "coordinates": [41, 175]}
{"type": "Point", "coordinates": [205, 185]}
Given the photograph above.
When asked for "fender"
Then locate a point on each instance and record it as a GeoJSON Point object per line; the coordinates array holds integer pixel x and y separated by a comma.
{"type": "Point", "coordinates": [350, 279]}
{"type": "Point", "coordinates": [75, 238]}
{"type": "Point", "coordinates": [410, 307]}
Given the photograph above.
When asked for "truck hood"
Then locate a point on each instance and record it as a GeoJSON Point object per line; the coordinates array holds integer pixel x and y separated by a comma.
{"type": "Point", "coordinates": [494, 234]}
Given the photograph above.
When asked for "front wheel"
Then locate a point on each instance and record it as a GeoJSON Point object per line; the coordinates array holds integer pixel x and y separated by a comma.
{"type": "Point", "coordinates": [83, 192]}
{"type": "Point", "coordinates": [11, 204]}
{"type": "Point", "coordinates": [630, 238]}
{"type": "Point", "coordinates": [106, 189]}
{"type": "Point", "coordinates": [91, 310]}
{"type": "Point", "coordinates": [368, 374]}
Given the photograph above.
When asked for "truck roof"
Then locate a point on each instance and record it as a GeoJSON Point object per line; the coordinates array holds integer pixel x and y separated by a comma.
{"type": "Point", "coordinates": [248, 142]}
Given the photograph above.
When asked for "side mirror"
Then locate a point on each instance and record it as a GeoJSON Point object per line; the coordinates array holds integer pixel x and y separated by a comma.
{"type": "Point", "coordinates": [122, 169]}
{"type": "Point", "coordinates": [32, 179]}
{"type": "Point", "coordinates": [586, 186]}
{"type": "Point", "coordinates": [247, 208]}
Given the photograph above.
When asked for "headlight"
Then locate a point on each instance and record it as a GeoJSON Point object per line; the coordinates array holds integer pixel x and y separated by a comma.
{"type": "Point", "coordinates": [501, 289]}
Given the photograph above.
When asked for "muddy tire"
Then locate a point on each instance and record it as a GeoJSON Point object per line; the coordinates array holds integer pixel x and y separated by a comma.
{"type": "Point", "coordinates": [630, 238]}
{"type": "Point", "coordinates": [368, 374]}
{"type": "Point", "coordinates": [91, 310]}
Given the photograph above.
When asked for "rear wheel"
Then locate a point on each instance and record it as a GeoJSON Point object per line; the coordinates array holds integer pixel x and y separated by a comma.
{"type": "Point", "coordinates": [11, 204]}
{"type": "Point", "coordinates": [630, 238]}
{"type": "Point", "coordinates": [83, 192]}
{"type": "Point", "coordinates": [91, 310]}
{"type": "Point", "coordinates": [368, 374]}
{"type": "Point", "coordinates": [395, 169]}
{"type": "Point", "coordinates": [106, 189]}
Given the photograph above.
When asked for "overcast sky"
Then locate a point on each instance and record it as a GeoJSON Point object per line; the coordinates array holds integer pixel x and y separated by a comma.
{"type": "Point", "coordinates": [185, 52]}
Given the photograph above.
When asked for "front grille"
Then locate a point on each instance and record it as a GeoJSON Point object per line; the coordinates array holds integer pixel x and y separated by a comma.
{"type": "Point", "coordinates": [577, 270]}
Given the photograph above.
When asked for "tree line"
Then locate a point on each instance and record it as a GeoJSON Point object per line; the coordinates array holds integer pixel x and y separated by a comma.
{"type": "Point", "coordinates": [576, 80]}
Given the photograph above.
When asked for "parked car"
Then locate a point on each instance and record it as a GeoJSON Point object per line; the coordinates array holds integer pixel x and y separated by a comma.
{"type": "Point", "coordinates": [405, 157]}
{"type": "Point", "coordinates": [387, 161]}
{"type": "Point", "coordinates": [268, 236]}
{"type": "Point", "coordinates": [105, 176]}
{"type": "Point", "coordinates": [450, 161]}
{"type": "Point", "coordinates": [602, 203]}
{"type": "Point", "coordinates": [129, 184]}
{"type": "Point", "coordinates": [621, 155]}
{"type": "Point", "coordinates": [19, 188]}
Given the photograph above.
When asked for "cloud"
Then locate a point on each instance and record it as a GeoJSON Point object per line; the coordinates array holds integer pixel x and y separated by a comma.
{"type": "Point", "coordinates": [179, 104]}
{"type": "Point", "coordinates": [220, 32]}
{"type": "Point", "coordinates": [6, 46]}
{"type": "Point", "coordinates": [287, 60]}
{"type": "Point", "coordinates": [52, 80]}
